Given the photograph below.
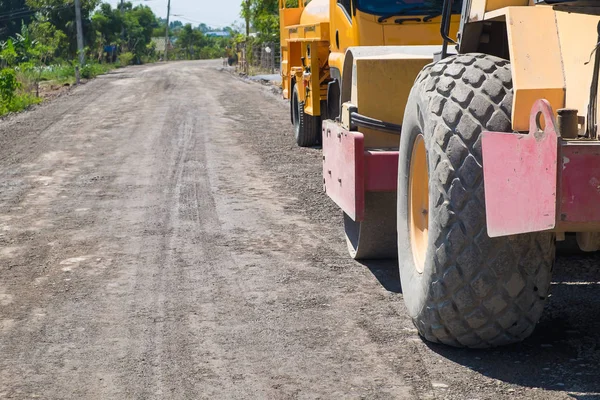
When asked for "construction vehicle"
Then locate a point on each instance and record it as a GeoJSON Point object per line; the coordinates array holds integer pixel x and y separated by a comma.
{"type": "Point", "coordinates": [468, 160]}
{"type": "Point", "coordinates": [328, 28]}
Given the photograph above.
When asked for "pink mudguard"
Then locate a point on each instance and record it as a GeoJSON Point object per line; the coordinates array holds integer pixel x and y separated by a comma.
{"type": "Point", "coordinates": [520, 176]}
{"type": "Point", "coordinates": [349, 171]}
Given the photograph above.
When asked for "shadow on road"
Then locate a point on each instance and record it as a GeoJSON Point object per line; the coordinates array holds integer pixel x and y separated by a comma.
{"type": "Point", "coordinates": [386, 272]}
{"type": "Point", "coordinates": [564, 351]}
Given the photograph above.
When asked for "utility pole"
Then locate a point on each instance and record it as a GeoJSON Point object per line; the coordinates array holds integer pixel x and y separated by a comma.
{"type": "Point", "coordinates": [247, 7]}
{"type": "Point", "coordinates": [79, 32]}
{"type": "Point", "coordinates": [167, 34]}
{"type": "Point", "coordinates": [122, 19]}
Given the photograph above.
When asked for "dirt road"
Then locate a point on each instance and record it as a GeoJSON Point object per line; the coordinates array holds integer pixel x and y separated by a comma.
{"type": "Point", "coordinates": [161, 237]}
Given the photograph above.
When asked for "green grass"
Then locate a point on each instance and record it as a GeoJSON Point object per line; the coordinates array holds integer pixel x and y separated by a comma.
{"type": "Point", "coordinates": [65, 73]}
{"type": "Point", "coordinates": [19, 102]}
{"type": "Point", "coordinates": [60, 74]}
{"type": "Point", "coordinates": [90, 71]}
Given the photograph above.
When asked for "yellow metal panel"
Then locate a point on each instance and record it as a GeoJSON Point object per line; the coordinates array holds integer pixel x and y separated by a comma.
{"type": "Point", "coordinates": [336, 60]}
{"type": "Point", "coordinates": [288, 16]}
{"type": "Point", "coordinates": [285, 74]}
{"type": "Point", "coordinates": [316, 32]}
{"type": "Point", "coordinates": [312, 104]}
{"type": "Point", "coordinates": [342, 28]}
{"type": "Point", "coordinates": [480, 7]}
{"type": "Point", "coordinates": [315, 91]}
{"type": "Point", "coordinates": [316, 11]}
{"type": "Point", "coordinates": [578, 37]}
{"type": "Point", "coordinates": [320, 31]}
{"type": "Point", "coordinates": [380, 88]}
{"type": "Point", "coordinates": [535, 60]}
{"type": "Point", "coordinates": [373, 33]}
{"type": "Point", "coordinates": [370, 32]}
{"type": "Point", "coordinates": [496, 4]}
{"type": "Point", "coordinates": [419, 34]}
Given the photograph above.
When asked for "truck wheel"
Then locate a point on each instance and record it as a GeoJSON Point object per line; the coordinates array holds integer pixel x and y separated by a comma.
{"type": "Point", "coordinates": [375, 236]}
{"type": "Point", "coordinates": [461, 287]}
{"type": "Point", "coordinates": [569, 246]}
{"type": "Point", "coordinates": [295, 105]}
{"type": "Point", "coordinates": [307, 128]}
{"type": "Point", "coordinates": [292, 107]}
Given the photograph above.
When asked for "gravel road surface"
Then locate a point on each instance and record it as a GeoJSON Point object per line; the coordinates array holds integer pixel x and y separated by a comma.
{"type": "Point", "coordinates": [161, 237]}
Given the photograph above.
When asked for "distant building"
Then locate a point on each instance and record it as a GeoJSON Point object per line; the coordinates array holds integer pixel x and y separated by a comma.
{"type": "Point", "coordinates": [160, 44]}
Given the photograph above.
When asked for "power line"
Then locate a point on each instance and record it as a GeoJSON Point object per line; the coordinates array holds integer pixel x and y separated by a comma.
{"type": "Point", "coordinates": [29, 9]}
{"type": "Point", "coordinates": [21, 14]}
{"type": "Point", "coordinates": [16, 11]}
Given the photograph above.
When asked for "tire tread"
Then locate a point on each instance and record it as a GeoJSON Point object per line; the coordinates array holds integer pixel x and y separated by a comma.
{"type": "Point", "coordinates": [485, 291]}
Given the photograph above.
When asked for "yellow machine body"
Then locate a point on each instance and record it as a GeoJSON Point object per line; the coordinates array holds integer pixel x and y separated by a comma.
{"type": "Point", "coordinates": [321, 33]}
{"type": "Point", "coordinates": [548, 49]}
{"type": "Point", "coordinates": [379, 85]}
{"type": "Point", "coordinates": [429, 171]}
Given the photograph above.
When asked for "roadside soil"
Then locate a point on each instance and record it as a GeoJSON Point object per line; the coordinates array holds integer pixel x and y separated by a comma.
{"type": "Point", "coordinates": [161, 236]}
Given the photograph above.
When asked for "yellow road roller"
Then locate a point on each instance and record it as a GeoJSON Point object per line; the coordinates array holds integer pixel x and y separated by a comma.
{"type": "Point", "coordinates": [458, 136]}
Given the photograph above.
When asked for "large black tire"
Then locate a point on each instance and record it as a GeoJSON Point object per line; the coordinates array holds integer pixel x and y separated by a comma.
{"type": "Point", "coordinates": [307, 128]}
{"type": "Point", "coordinates": [474, 291]}
{"type": "Point", "coordinates": [295, 108]}
{"type": "Point", "coordinates": [569, 246]}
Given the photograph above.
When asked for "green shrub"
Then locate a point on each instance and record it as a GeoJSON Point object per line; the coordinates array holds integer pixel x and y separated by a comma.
{"type": "Point", "coordinates": [125, 59]}
{"type": "Point", "coordinates": [22, 101]}
{"type": "Point", "coordinates": [61, 73]}
{"type": "Point", "coordinates": [90, 71]}
{"type": "Point", "coordinates": [8, 84]}
{"type": "Point", "coordinates": [18, 103]}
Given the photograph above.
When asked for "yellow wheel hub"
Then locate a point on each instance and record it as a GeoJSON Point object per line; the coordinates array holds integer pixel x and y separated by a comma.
{"type": "Point", "coordinates": [418, 203]}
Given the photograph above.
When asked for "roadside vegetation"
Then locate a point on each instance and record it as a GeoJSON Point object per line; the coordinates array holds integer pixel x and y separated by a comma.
{"type": "Point", "coordinates": [262, 19]}
{"type": "Point", "coordinates": [262, 31]}
{"type": "Point", "coordinates": [38, 44]}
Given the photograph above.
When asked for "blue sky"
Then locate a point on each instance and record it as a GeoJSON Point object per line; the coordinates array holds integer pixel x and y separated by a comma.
{"type": "Point", "coordinates": [216, 13]}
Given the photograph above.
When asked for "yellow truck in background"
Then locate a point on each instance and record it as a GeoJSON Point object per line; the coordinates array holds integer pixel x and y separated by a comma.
{"type": "Point", "coordinates": [328, 28]}
{"type": "Point", "coordinates": [458, 136]}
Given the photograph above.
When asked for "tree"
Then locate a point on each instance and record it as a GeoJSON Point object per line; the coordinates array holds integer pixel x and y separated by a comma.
{"type": "Point", "coordinates": [175, 25]}
{"type": "Point", "coordinates": [263, 15]}
{"type": "Point", "coordinates": [107, 22]}
{"type": "Point", "coordinates": [246, 13]}
{"type": "Point", "coordinates": [189, 41]}
{"type": "Point", "coordinates": [140, 23]}
{"type": "Point", "coordinates": [50, 40]}
{"type": "Point", "coordinates": [61, 14]}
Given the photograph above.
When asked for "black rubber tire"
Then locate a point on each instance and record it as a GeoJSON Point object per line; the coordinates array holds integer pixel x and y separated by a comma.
{"type": "Point", "coordinates": [292, 103]}
{"type": "Point", "coordinates": [307, 128]}
{"type": "Point", "coordinates": [475, 291]}
{"type": "Point", "coordinates": [569, 246]}
{"type": "Point", "coordinates": [295, 110]}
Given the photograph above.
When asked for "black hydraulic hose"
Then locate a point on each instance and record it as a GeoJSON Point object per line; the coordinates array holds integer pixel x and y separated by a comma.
{"type": "Point", "coordinates": [400, 21]}
{"type": "Point", "coordinates": [445, 27]}
{"type": "Point", "coordinates": [376, 124]}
